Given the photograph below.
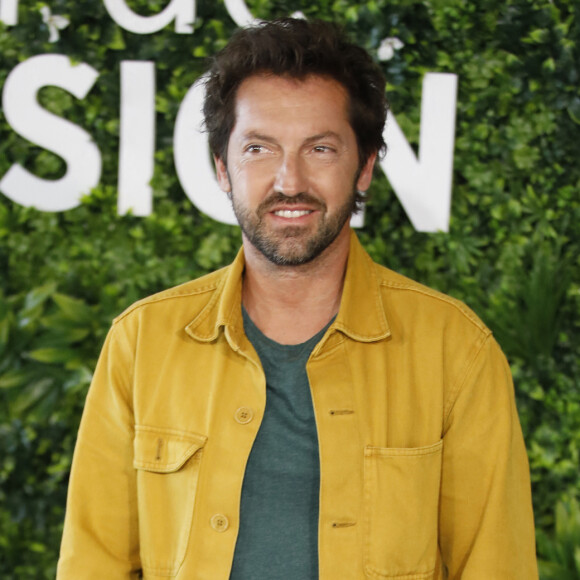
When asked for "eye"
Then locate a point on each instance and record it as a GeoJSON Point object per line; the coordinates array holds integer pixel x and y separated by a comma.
{"type": "Point", "coordinates": [322, 149]}
{"type": "Point", "coordinates": [254, 148]}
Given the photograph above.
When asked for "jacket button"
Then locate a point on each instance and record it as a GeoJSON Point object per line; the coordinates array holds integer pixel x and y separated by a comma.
{"type": "Point", "coordinates": [219, 523]}
{"type": "Point", "coordinates": [244, 415]}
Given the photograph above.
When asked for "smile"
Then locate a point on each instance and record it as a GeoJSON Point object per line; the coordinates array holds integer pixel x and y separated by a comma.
{"type": "Point", "coordinates": [292, 213]}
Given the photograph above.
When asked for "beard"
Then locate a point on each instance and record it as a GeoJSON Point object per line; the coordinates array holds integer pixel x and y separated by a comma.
{"type": "Point", "coordinates": [292, 245]}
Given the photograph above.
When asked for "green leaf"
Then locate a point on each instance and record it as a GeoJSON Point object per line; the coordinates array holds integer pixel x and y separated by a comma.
{"type": "Point", "coordinates": [14, 378]}
{"type": "Point", "coordinates": [73, 308]}
{"type": "Point", "coordinates": [4, 332]}
{"type": "Point", "coordinates": [52, 355]}
{"type": "Point", "coordinates": [37, 547]}
{"type": "Point", "coordinates": [117, 42]}
{"type": "Point", "coordinates": [38, 296]}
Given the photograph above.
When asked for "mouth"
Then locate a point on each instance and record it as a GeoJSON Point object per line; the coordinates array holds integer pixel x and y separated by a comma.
{"type": "Point", "coordinates": [291, 208]}
{"type": "Point", "coordinates": [292, 213]}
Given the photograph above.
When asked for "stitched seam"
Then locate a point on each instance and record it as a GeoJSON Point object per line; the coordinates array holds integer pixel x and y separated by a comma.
{"type": "Point", "coordinates": [322, 350]}
{"type": "Point", "coordinates": [154, 300]}
{"type": "Point", "coordinates": [378, 308]}
{"type": "Point", "coordinates": [196, 443]}
{"type": "Point", "coordinates": [367, 492]}
{"type": "Point", "coordinates": [166, 468]}
{"type": "Point", "coordinates": [182, 435]}
{"type": "Point", "coordinates": [361, 337]}
{"type": "Point", "coordinates": [468, 368]}
{"type": "Point", "coordinates": [172, 569]}
{"type": "Point", "coordinates": [162, 571]}
{"type": "Point", "coordinates": [126, 390]}
{"type": "Point", "coordinates": [441, 298]}
{"type": "Point", "coordinates": [404, 576]}
{"type": "Point", "coordinates": [205, 313]}
{"type": "Point", "coordinates": [404, 452]}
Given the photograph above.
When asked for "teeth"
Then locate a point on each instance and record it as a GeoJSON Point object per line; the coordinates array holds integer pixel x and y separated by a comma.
{"type": "Point", "coordinates": [292, 213]}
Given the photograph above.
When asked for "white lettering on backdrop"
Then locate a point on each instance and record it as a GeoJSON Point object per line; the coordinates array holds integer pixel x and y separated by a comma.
{"type": "Point", "coordinates": [29, 119]}
{"type": "Point", "coordinates": [182, 11]}
{"type": "Point", "coordinates": [9, 12]}
{"type": "Point", "coordinates": [193, 162]}
{"type": "Point", "coordinates": [137, 137]}
{"type": "Point", "coordinates": [423, 184]}
{"type": "Point", "coordinates": [239, 12]}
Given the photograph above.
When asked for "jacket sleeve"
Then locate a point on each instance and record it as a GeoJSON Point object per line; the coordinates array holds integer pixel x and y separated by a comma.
{"type": "Point", "coordinates": [100, 538]}
{"type": "Point", "coordinates": [486, 518]}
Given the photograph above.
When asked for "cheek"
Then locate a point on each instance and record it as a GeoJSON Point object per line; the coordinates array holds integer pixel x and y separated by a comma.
{"type": "Point", "coordinates": [334, 184]}
{"type": "Point", "coordinates": [252, 177]}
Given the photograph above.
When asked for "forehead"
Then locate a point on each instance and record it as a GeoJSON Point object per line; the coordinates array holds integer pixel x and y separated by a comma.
{"type": "Point", "coordinates": [281, 98]}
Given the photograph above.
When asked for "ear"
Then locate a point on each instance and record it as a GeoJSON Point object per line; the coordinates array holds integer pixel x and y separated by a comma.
{"type": "Point", "coordinates": [366, 174]}
{"type": "Point", "coordinates": [222, 174]}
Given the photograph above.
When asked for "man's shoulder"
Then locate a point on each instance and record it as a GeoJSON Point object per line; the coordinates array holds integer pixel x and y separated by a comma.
{"type": "Point", "coordinates": [398, 287]}
{"type": "Point", "coordinates": [186, 295]}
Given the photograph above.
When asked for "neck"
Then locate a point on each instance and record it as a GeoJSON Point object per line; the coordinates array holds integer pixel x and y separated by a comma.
{"type": "Point", "coordinates": [290, 304]}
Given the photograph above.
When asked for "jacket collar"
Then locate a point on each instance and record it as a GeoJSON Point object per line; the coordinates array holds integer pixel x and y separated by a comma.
{"type": "Point", "coordinates": [361, 315]}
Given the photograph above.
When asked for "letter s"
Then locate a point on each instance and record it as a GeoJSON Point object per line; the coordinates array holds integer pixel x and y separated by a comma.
{"type": "Point", "coordinates": [51, 132]}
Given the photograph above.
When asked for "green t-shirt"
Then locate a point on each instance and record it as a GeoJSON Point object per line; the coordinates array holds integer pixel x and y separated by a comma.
{"type": "Point", "coordinates": [278, 537]}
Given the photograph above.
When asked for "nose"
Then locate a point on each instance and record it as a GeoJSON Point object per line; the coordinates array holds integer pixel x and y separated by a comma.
{"type": "Point", "coordinates": [291, 176]}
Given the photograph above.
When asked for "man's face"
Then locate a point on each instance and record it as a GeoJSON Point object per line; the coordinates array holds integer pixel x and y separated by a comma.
{"type": "Point", "coordinates": [292, 166]}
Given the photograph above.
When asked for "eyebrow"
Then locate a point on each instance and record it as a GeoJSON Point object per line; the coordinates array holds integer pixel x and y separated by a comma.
{"type": "Point", "coordinates": [325, 135]}
{"type": "Point", "coordinates": [318, 137]}
{"type": "Point", "coordinates": [250, 135]}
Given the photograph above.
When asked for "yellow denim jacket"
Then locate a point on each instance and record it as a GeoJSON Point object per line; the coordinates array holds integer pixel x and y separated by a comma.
{"type": "Point", "coordinates": [423, 469]}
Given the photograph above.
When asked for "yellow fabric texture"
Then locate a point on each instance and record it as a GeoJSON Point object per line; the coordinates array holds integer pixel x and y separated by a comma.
{"type": "Point", "coordinates": [424, 473]}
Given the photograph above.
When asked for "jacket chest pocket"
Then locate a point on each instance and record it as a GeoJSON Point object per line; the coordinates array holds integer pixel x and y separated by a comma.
{"type": "Point", "coordinates": [401, 511]}
{"type": "Point", "coordinates": [167, 464]}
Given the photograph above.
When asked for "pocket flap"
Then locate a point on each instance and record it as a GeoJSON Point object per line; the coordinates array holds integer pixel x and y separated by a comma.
{"type": "Point", "coordinates": [404, 451]}
{"type": "Point", "coordinates": [164, 450]}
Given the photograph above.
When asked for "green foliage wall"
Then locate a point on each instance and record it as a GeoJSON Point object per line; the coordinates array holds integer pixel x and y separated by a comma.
{"type": "Point", "coordinates": [512, 252]}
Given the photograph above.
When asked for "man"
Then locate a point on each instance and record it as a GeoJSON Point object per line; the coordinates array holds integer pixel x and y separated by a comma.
{"type": "Point", "coordinates": [303, 413]}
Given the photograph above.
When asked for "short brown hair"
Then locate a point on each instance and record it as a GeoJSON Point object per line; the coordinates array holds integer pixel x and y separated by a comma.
{"type": "Point", "coordinates": [297, 48]}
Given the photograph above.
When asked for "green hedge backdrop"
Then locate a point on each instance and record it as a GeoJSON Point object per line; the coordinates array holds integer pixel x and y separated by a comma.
{"type": "Point", "coordinates": [512, 252]}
